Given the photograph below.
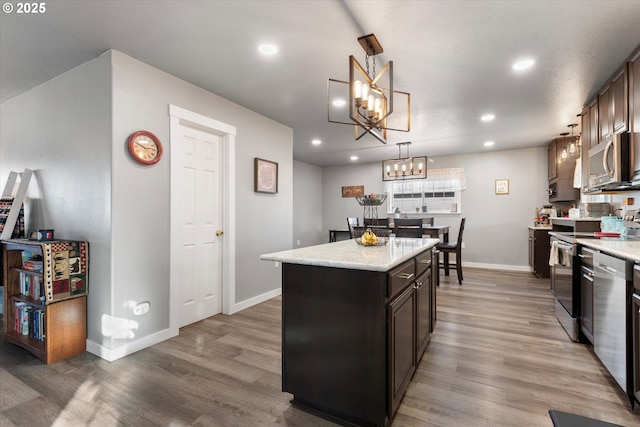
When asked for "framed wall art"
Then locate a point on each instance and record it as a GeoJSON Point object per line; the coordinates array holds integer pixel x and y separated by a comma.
{"type": "Point", "coordinates": [265, 176]}
{"type": "Point", "coordinates": [502, 186]}
{"type": "Point", "coordinates": [353, 190]}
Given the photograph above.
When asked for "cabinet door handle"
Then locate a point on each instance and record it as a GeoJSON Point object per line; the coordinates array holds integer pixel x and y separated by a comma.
{"type": "Point", "coordinates": [605, 157]}
{"type": "Point", "coordinates": [588, 276]}
{"type": "Point", "coordinates": [405, 276]}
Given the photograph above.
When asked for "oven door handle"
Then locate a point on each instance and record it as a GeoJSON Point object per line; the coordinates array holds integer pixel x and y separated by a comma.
{"type": "Point", "coordinates": [567, 248]}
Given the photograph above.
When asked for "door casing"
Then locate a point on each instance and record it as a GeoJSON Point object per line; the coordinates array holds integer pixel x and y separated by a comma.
{"type": "Point", "coordinates": [179, 117]}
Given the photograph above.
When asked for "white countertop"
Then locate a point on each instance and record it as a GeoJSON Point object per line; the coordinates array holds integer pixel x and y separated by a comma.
{"type": "Point", "coordinates": [541, 227]}
{"type": "Point", "coordinates": [348, 254]}
{"type": "Point", "coordinates": [629, 249]}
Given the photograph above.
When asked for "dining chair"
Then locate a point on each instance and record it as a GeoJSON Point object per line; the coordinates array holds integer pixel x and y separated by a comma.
{"type": "Point", "coordinates": [427, 221]}
{"type": "Point", "coordinates": [453, 248]}
{"type": "Point", "coordinates": [408, 227]}
{"type": "Point", "coordinates": [352, 221]}
{"type": "Point", "coordinates": [376, 222]}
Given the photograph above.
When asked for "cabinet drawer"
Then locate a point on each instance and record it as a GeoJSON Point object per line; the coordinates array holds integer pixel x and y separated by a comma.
{"type": "Point", "coordinates": [586, 256]}
{"type": "Point", "coordinates": [401, 277]}
{"type": "Point", "coordinates": [423, 262]}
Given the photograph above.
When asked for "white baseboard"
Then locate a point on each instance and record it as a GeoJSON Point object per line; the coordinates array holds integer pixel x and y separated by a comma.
{"type": "Point", "coordinates": [239, 306]}
{"type": "Point", "coordinates": [497, 266]}
{"type": "Point", "coordinates": [111, 354]}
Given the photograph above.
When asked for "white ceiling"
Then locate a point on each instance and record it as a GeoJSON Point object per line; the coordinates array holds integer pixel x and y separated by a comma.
{"type": "Point", "coordinates": [454, 57]}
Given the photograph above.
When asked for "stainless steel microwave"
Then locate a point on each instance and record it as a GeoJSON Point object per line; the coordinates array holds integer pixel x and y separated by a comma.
{"type": "Point", "coordinates": [610, 163]}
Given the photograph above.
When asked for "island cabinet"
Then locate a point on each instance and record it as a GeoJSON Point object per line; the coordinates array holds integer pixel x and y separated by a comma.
{"type": "Point", "coordinates": [352, 338]}
{"type": "Point", "coordinates": [45, 303]}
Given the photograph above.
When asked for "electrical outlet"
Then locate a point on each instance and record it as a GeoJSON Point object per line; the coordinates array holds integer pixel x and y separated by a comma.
{"type": "Point", "coordinates": [141, 308]}
{"type": "Point", "coordinates": [298, 242]}
{"type": "Point", "coordinates": [463, 245]}
{"type": "Point", "coordinates": [277, 264]}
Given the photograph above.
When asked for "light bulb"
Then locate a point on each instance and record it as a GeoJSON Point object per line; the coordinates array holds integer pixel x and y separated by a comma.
{"type": "Point", "coordinates": [370, 105]}
{"type": "Point", "coordinates": [358, 89]}
{"type": "Point", "coordinates": [365, 91]}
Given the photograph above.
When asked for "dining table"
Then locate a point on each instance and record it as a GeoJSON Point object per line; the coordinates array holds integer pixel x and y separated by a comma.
{"type": "Point", "coordinates": [335, 232]}
{"type": "Point", "coordinates": [433, 231]}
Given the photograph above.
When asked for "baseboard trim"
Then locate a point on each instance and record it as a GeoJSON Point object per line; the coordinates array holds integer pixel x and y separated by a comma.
{"type": "Point", "coordinates": [496, 266]}
{"type": "Point", "coordinates": [239, 306]}
{"type": "Point", "coordinates": [111, 354]}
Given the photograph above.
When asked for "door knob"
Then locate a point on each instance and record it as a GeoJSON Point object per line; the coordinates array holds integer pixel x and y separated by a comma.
{"type": "Point", "coordinates": [219, 232]}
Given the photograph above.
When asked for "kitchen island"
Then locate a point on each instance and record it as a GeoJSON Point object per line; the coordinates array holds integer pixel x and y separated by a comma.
{"type": "Point", "coordinates": [355, 323]}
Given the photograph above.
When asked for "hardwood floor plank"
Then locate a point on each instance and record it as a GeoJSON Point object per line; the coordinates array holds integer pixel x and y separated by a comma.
{"type": "Point", "coordinates": [498, 357]}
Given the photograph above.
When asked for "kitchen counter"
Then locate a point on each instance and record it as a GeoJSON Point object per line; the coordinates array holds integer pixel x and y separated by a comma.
{"type": "Point", "coordinates": [540, 227]}
{"type": "Point", "coordinates": [629, 249]}
{"type": "Point", "coordinates": [348, 254]}
{"type": "Point", "coordinates": [356, 321]}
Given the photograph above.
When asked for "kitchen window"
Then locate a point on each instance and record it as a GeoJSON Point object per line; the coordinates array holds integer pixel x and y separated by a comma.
{"type": "Point", "coordinates": [440, 192]}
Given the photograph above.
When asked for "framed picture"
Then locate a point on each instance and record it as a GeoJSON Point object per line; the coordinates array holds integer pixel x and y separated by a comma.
{"type": "Point", "coordinates": [353, 191]}
{"type": "Point", "coordinates": [265, 176]}
{"type": "Point", "coordinates": [502, 186]}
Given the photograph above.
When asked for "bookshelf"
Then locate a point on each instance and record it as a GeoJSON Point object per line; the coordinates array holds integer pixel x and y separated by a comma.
{"type": "Point", "coordinates": [45, 296]}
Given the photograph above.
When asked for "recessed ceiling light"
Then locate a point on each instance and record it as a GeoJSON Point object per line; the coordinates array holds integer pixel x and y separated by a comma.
{"type": "Point", "coordinates": [487, 117]}
{"type": "Point", "coordinates": [489, 144]}
{"type": "Point", "coordinates": [339, 103]}
{"type": "Point", "coordinates": [268, 49]}
{"type": "Point", "coordinates": [523, 64]}
{"type": "Point", "coordinates": [354, 158]}
{"type": "Point", "coordinates": [316, 142]}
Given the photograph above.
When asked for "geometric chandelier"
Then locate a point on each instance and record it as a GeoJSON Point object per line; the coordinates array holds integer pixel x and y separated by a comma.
{"type": "Point", "coordinates": [404, 167]}
{"type": "Point", "coordinates": [371, 97]}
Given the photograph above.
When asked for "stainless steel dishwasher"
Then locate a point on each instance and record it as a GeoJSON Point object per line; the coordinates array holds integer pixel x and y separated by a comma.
{"type": "Point", "coordinates": [610, 288]}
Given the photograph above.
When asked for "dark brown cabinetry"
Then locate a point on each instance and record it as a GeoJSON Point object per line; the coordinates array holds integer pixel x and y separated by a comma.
{"type": "Point", "coordinates": [605, 119]}
{"type": "Point", "coordinates": [402, 339]}
{"type": "Point", "coordinates": [351, 339]}
{"type": "Point", "coordinates": [634, 111]}
{"type": "Point", "coordinates": [410, 323]}
{"type": "Point", "coordinates": [561, 167]}
{"type": "Point", "coordinates": [613, 106]}
{"type": "Point", "coordinates": [539, 248]}
{"type": "Point", "coordinates": [620, 101]}
{"type": "Point", "coordinates": [589, 138]}
{"type": "Point", "coordinates": [552, 161]}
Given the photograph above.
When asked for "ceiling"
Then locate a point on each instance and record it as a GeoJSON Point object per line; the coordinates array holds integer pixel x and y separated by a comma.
{"type": "Point", "coordinates": [454, 57]}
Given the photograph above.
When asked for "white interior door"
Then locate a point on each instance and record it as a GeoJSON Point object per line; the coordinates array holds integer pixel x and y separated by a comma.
{"type": "Point", "coordinates": [200, 260]}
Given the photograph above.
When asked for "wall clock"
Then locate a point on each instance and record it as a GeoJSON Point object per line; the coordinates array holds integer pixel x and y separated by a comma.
{"type": "Point", "coordinates": [145, 147]}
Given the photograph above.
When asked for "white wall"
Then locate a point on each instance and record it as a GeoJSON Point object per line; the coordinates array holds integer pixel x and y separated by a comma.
{"type": "Point", "coordinates": [72, 131]}
{"type": "Point", "coordinates": [496, 234]}
{"type": "Point", "coordinates": [307, 206]}
{"type": "Point", "coordinates": [62, 131]}
{"type": "Point", "coordinates": [263, 221]}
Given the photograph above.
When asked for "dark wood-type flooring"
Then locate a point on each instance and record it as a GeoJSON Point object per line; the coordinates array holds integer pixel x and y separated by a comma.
{"type": "Point", "coordinates": [498, 357]}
